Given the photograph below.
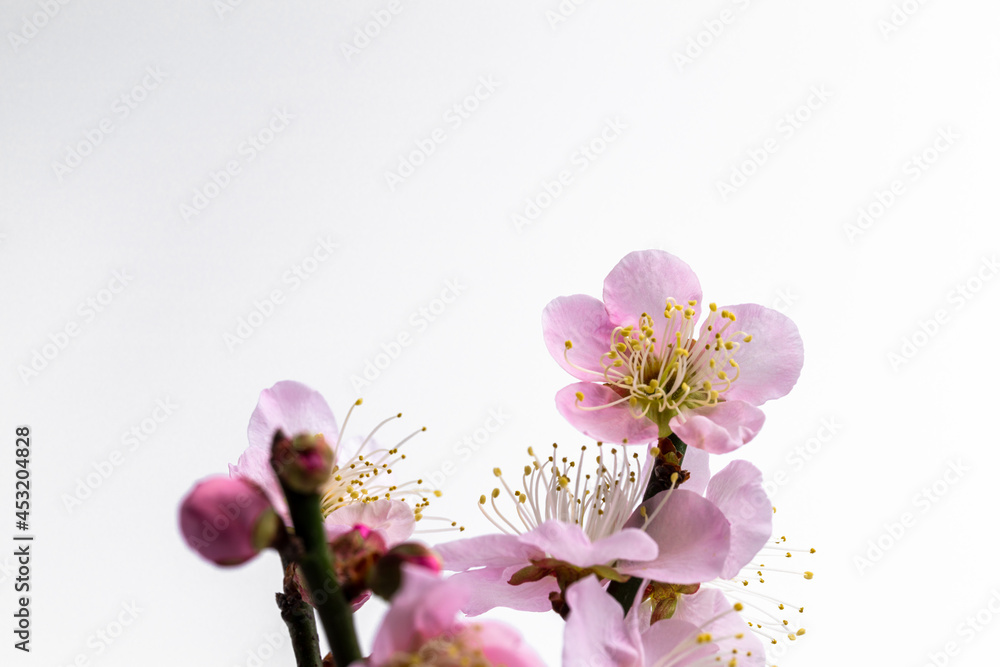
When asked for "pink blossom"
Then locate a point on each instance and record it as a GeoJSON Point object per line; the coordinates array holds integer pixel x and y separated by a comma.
{"type": "Point", "coordinates": [357, 485]}
{"type": "Point", "coordinates": [597, 636]}
{"type": "Point", "coordinates": [646, 371]}
{"type": "Point", "coordinates": [706, 530]}
{"type": "Point", "coordinates": [422, 628]}
{"type": "Point", "coordinates": [228, 521]}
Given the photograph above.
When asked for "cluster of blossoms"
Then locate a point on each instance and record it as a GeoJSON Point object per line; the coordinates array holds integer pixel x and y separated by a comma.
{"type": "Point", "coordinates": [646, 554]}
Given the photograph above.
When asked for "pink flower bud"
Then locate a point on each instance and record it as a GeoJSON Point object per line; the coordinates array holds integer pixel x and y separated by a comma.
{"type": "Point", "coordinates": [354, 554]}
{"type": "Point", "coordinates": [303, 463]}
{"type": "Point", "coordinates": [228, 520]}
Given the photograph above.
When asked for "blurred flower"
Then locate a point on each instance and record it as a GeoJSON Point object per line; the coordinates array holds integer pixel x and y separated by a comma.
{"type": "Point", "coordinates": [422, 628]}
{"type": "Point", "coordinates": [357, 489]}
{"type": "Point", "coordinates": [647, 371]}
{"type": "Point", "coordinates": [228, 521]}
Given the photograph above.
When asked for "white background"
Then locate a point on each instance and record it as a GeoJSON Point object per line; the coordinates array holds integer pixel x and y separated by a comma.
{"type": "Point", "coordinates": [781, 238]}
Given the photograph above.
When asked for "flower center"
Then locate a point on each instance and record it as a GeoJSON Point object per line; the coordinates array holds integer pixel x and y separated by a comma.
{"type": "Point", "coordinates": [658, 375]}
{"type": "Point", "coordinates": [558, 488]}
{"type": "Point", "coordinates": [364, 476]}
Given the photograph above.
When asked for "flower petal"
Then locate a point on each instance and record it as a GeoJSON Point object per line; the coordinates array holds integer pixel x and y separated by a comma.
{"type": "Point", "coordinates": [696, 463]}
{"type": "Point", "coordinates": [596, 634]}
{"type": "Point", "coordinates": [720, 428]}
{"type": "Point", "coordinates": [771, 362]}
{"type": "Point", "coordinates": [392, 519]}
{"type": "Point", "coordinates": [709, 603]}
{"type": "Point", "coordinates": [663, 638]}
{"type": "Point", "coordinates": [486, 550]}
{"type": "Point", "coordinates": [255, 465]}
{"type": "Point", "coordinates": [642, 281]}
{"type": "Point", "coordinates": [294, 408]}
{"type": "Point", "coordinates": [568, 542]}
{"type": "Point", "coordinates": [615, 423]}
{"type": "Point", "coordinates": [738, 490]}
{"type": "Point", "coordinates": [503, 645]}
{"type": "Point", "coordinates": [425, 607]}
{"type": "Point", "coordinates": [582, 320]}
{"type": "Point", "coordinates": [692, 534]}
{"type": "Point", "coordinates": [489, 588]}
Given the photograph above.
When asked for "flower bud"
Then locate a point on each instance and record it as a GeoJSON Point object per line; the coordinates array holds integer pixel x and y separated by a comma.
{"type": "Point", "coordinates": [228, 520]}
{"type": "Point", "coordinates": [387, 575]}
{"type": "Point", "coordinates": [302, 463]}
{"type": "Point", "coordinates": [354, 554]}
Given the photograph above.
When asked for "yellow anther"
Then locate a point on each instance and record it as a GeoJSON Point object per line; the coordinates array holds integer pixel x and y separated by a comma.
{"type": "Point", "coordinates": [692, 302]}
{"type": "Point", "coordinates": [688, 313]}
{"type": "Point", "coordinates": [713, 307]}
{"type": "Point", "coordinates": [800, 631]}
{"type": "Point", "coordinates": [527, 470]}
{"type": "Point", "coordinates": [569, 345]}
{"type": "Point", "coordinates": [437, 493]}
{"type": "Point", "coordinates": [808, 575]}
{"type": "Point", "coordinates": [748, 338]}
{"type": "Point", "coordinates": [579, 396]}
{"type": "Point", "coordinates": [704, 638]}
{"type": "Point", "coordinates": [496, 493]}
{"type": "Point", "coordinates": [654, 451]}
{"type": "Point", "coordinates": [358, 402]}
{"type": "Point", "coordinates": [563, 481]}
{"type": "Point", "coordinates": [497, 473]}
{"type": "Point", "coordinates": [738, 606]}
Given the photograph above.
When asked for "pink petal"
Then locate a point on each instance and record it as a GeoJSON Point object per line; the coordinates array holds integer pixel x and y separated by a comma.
{"type": "Point", "coordinates": [391, 519]}
{"type": "Point", "coordinates": [489, 588]}
{"type": "Point", "coordinates": [696, 463]}
{"type": "Point", "coordinates": [692, 534]}
{"type": "Point", "coordinates": [720, 428]}
{"type": "Point", "coordinates": [662, 639]}
{"type": "Point", "coordinates": [425, 607]}
{"type": "Point", "coordinates": [770, 363]}
{"type": "Point", "coordinates": [596, 635]}
{"type": "Point", "coordinates": [642, 281]}
{"type": "Point", "coordinates": [503, 645]}
{"type": "Point", "coordinates": [486, 551]}
{"type": "Point", "coordinates": [738, 490]}
{"type": "Point", "coordinates": [582, 320]}
{"type": "Point", "coordinates": [295, 409]}
{"type": "Point", "coordinates": [709, 603]}
{"type": "Point", "coordinates": [614, 424]}
{"type": "Point", "coordinates": [568, 542]}
{"type": "Point", "coordinates": [255, 465]}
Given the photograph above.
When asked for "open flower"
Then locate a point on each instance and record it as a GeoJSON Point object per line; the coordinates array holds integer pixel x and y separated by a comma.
{"type": "Point", "coordinates": [358, 488]}
{"type": "Point", "coordinates": [422, 628]}
{"type": "Point", "coordinates": [598, 636]}
{"type": "Point", "coordinates": [568, 523]}
{"type": "Point", "coordinates": [648, 369]}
